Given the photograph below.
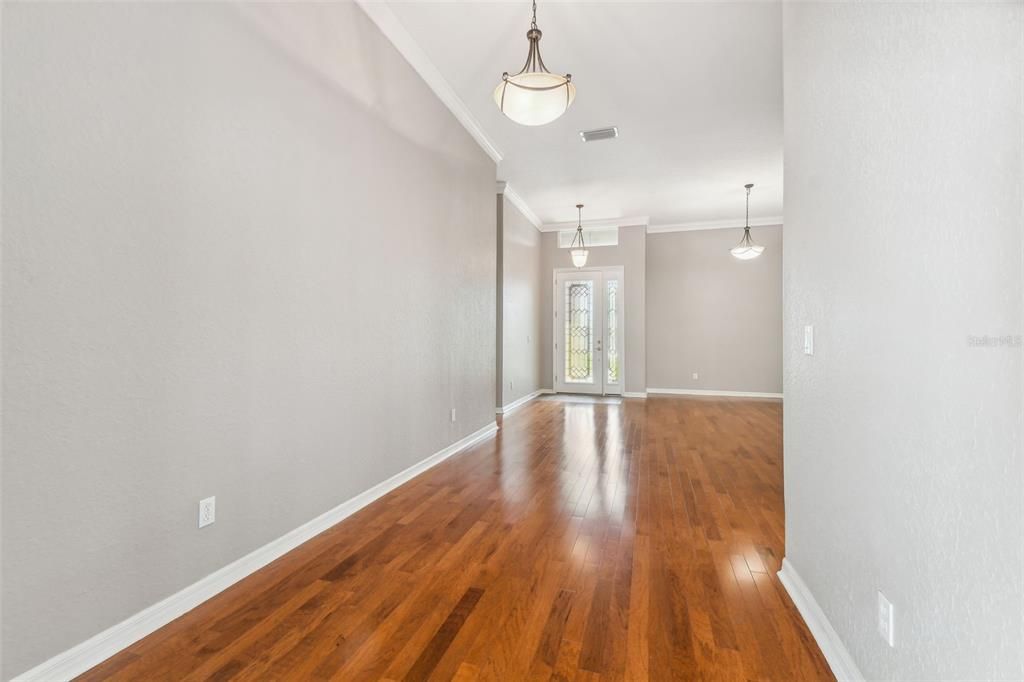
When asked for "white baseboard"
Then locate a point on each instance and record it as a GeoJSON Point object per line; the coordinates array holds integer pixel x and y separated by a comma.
{"type": "Point", "coordinates": [726, 394]}
{"type": "Point", "coordinates": [832, 647]}
{"type": "Point", "coordinates": [634, 394]}
{"type": "Point", "coordinates": [99, 648]}
{"type": "Point", "coordinates": [522, 401]}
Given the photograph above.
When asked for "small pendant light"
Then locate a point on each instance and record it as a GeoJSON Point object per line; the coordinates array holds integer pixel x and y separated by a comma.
{"type": "Point", "coordinates": [747, 249]}
{"type": "Point", "coordinates": [579, 253]}
{"type": "Point", "coordinates": [534, 96]}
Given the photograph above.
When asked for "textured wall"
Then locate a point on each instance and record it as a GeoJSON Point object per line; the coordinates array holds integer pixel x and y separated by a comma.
{"type": "Point", "coordinates": [904, 175]}
{"type": "Point", "coordinates": [522, 306]}
{"type": "Point", "coordinates": [710, 313]}
{"type": "Point", "coordinates": [631, 254]}
{"type": "Point", "coordinates": [247, 253]}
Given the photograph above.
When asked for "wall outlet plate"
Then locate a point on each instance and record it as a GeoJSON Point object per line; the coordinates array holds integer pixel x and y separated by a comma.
{"type": "Point", "coordinates": [207, 511]}
{"type": "Point", "coordinates": [696, 375]}
{"type": "Point", "coordinates": [885, 620]}
{"type": "Point", "coordinates": [453, 415]}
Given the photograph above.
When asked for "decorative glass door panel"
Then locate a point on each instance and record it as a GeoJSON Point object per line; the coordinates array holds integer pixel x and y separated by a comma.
{"type": "Point", "coordinates": [613, 334]}
{"type": "Point", "coordinates": [579, 332]}
{"type": "Point", "coordinates": [588, 331]}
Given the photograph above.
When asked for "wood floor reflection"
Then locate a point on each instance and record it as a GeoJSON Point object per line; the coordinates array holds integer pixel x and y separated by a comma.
{"type": "Point", "coordinates": [586, 541]}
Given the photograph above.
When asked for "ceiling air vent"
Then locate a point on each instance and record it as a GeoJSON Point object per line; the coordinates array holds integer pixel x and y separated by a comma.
{"type": "Point", "coordinates": [599, 134]}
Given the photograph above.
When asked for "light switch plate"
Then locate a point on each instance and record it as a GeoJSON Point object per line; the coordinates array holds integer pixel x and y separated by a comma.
{"type": "Point", "coordinates": [885, 620]}
{"type": "Point", "coordinates": [808, 339]}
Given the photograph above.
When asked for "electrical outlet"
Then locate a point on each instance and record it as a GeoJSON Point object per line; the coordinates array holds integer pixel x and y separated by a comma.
{"type": "Point", "coordinates": [207, 511]}
{"type": "Point", "coordinates": [511, 385]}
{"type": "Point", "coordinates": [696, 375]}
{"type": "Point", "coordinates": [453, 415]}
{"type": "Point", "coordinates": [808, 339]}
{"type": "Point", "coordinates": [885, 620]}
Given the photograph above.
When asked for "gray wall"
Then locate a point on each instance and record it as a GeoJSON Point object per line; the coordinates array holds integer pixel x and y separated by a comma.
{"type": "Point", "coordinates": [631, 254]}
{"type": "Point", "coordinates": [904, 175]}
{"type": "Point", "coordinates": [712, 314]}
{"type": "Point", "coordinates": [247, 253]}
{"type": "Point", "coordinates": [522, 307]}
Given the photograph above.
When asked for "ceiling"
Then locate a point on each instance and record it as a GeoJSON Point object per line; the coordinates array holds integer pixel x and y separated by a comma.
{"type": "Point", "coordinates": [695, 89]}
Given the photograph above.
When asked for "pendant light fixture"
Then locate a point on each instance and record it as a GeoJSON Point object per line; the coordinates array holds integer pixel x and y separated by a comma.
{"type": "Point", "coordinates": [534, 96]}
{"type": "Point", "coordinates": [579, 253]}
{"type": "Point", "coordinates": [747, 249]}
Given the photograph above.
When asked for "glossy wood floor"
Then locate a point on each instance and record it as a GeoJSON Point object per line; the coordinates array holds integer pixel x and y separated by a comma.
{"type": "Point", "coordinates": [587, 541]}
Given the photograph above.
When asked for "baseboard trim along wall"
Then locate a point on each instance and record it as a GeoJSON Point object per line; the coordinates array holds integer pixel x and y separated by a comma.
{"type": "Point", "coordinates": [724, 394]}
{"type": "Point", "coordinates": [634, 394]}
{"type": "Point", "coordinates": [832, 647]}
{"type": "Point", "coordinates": [99, 648]}
{"type": "Point", "coordinates": [522, 401]}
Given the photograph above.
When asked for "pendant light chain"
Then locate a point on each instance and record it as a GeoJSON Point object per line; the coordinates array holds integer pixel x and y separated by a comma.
{"type": "Point", "coordinates": [578, 253]}
{"type": "Point", "coordinates": [746, 230]}
{"type": "Point", "coordinates": [533, 24]}
{"type": "Point", "coordinates": [748, 208]}
{"type": "Point", "coordinates": [747, 248]}
{"type": "Point", "coordinates": [579, 228]}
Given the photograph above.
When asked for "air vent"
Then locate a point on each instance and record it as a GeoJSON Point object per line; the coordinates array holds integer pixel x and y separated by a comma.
{"type": "Point", "coordinates": [599, 134]}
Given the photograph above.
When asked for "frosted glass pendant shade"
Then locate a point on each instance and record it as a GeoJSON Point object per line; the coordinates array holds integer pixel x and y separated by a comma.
{"type": "Point", "coordinates": [578, 248]}
{"type": "Point", "coordinates": [746, 249]}
{"type": "Point", "coordinates": [747, 252]}
{"type": "Point", "coordinates": [534, 98]}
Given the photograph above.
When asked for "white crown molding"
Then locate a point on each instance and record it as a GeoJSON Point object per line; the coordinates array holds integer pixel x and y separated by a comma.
{"type": "Point", "coordinates": [95, 650]}
{"type": "Point", "coordinates": [518, 202]}
{"type": "Point", "coordinates": [522, 401]}
{"type": "Point", "coordinates": [713, 225]}
{"type": "Point", "coordinates": [641, 221]}
{"type": "Point", "coordinates": [407, 46]}
{"type": "Point", "coordinates": [832, 648]}
{"type": "Point", "coordinates": [724, 394]}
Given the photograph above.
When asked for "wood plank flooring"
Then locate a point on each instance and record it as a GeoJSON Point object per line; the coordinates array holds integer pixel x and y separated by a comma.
{"type": "Point", "coordinates": [586, 541]}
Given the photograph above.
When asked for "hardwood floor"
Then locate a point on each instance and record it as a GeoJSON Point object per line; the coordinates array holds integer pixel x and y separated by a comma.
{"type": "Point", "coordinates": [586, 541]}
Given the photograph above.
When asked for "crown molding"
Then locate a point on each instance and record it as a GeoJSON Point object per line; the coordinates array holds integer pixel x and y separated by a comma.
{"type": "Point", "coordinates": [517, 201]}
{"type": "Point", "coordinates": [381, 15]}
{"type": "Point", "coordinates": [641, 221]}
{"type": "Point", "coordinates": [714, 225]}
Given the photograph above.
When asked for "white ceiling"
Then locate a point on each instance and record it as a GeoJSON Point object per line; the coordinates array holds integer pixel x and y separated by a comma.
{"type": "Point", "coordinates": [695, 89]}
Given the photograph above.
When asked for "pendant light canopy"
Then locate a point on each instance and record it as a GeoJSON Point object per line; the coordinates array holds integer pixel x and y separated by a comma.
{"type": "Point", "coordinates": [534, 96]}
{"type": "Point", "coordinates": [579, 253]}
{"type": "Point", "coordinates": [747, 249]}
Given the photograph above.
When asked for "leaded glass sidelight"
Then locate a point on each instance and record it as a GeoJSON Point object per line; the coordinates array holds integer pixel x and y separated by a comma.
{"type": "Point", "coordinates": [613, 328]}
{"type": "Point", "coordinates": [579, 331]}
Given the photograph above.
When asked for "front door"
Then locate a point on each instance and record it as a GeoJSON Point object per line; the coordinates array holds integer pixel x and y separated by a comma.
{"type": "Point", "coordinates": [588, 348]}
